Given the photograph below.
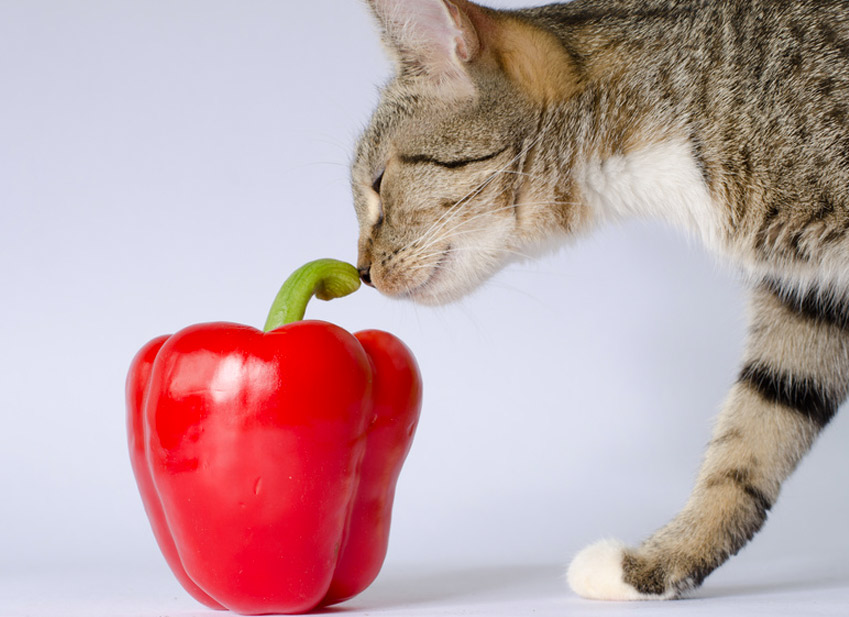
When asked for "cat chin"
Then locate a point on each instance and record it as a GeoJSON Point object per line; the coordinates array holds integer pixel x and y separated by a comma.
{"type": "Point", "coordinates": [430, 298]}
{"type": "Point", "coordinates": [434, 291]}
{"type": "Point", "coordinates": [447, 286]}
{"type": "Point", "coordinates": [459, 271]}
{"type": "Point", "coordinates": [439, 297]}
{"type": "Point", "coordinates": [444, 285]}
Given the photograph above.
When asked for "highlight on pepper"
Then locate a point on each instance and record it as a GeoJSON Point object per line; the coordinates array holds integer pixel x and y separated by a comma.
{"type": "Point", "coordinates": [267, 460]}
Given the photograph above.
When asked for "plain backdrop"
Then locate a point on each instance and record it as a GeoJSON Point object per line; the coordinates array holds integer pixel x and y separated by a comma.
{"type": "Point", "coordinates": [164, 163]}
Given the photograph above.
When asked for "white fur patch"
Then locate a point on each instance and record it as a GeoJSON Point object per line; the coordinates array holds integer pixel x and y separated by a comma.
{"type": "Point", "coordinates": [660, 181]}
{"type": "Point", "coordinates": [596, 574]}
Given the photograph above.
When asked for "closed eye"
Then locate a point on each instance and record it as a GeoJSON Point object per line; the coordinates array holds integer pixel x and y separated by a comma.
{"type": "Point", "coordinates": [412, 159]}
{"type": "Point", "coordinates": [377, 182]}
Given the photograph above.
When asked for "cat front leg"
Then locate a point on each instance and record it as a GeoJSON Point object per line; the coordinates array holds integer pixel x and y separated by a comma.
{"type": "Point", "coordinates": [795, 375]}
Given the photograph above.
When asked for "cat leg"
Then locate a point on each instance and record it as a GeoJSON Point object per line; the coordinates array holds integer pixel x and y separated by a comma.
{"type": "Point", "coordinates": [795, 375]}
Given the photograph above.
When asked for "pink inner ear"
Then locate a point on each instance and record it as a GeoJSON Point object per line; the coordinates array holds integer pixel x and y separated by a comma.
{"type": "Point", "coordinates": [462, 47]}
{"type": "Point", "coordinates": [427, 29]}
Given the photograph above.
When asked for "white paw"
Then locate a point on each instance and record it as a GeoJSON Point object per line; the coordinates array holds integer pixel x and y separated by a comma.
{"type": "Point", "coordinates": [596, 574]}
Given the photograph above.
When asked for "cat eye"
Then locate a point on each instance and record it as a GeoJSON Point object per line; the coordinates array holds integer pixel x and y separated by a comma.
{"type": "Point", "coordinates": [378, 181]}
{"type": "Point", "coordinates": [412, 159]}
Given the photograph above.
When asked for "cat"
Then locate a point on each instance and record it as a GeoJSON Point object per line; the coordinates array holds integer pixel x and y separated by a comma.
{"type": "Point", "coordinates": [503, 133]}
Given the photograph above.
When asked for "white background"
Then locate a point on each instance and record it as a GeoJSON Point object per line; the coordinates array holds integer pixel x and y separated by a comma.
{"type": "Point", "coordinates": [166, 163]}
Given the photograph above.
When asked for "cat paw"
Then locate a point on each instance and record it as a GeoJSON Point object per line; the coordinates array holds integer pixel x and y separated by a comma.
{"type": "Point", "coordinates": [598, 573]}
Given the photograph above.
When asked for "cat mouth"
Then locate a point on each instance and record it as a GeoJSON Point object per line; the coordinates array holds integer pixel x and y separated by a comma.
{"type": "Point", "coordinates": [424, 290]}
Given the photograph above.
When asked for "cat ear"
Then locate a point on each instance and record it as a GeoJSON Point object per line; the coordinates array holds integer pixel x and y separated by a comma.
{"type": "Point", "coordinates": [433, 39]}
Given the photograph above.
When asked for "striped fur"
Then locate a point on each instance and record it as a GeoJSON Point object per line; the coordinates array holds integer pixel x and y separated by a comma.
{"type": "Point", "coordinates": [505, 132]}
{"type": "Point", "coordinates": [795, 375]}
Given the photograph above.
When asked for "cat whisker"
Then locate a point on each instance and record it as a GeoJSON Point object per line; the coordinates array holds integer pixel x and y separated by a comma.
{"type": "Point", "coordinates": [452, 231]}
{"type": "Point", "coordinates": [548, 203]}
{"type": "Point", "coordinates": [451, 213]}
{"type": "Point", "coordinates": [457, 232]}
{"type": "Point", "coordinates": [519, 173]}
{"type": "Point", "coordinates": [464, 249]}
{"type": "Point", "coordinates": [442, 220]}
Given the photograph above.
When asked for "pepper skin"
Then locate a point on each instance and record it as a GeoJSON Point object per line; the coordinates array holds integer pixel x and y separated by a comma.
{"type": "Point", "coordinates": [137, 381]}
{"type": "Point", "coordinates": [396, 397]}
{"type": "Point", "coordinates": [267, 461]}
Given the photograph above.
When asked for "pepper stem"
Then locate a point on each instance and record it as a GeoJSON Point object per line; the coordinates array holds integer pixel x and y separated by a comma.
{"type": "Point", "coordinates": [325, 279]}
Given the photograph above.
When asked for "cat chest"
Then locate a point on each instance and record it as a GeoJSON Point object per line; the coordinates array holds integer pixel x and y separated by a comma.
{"type": "Point", "coordinates": [659, 181]}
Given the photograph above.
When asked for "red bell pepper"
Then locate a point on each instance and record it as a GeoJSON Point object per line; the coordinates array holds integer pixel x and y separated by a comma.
{"type": "Point", "coordinates": [267, 461]}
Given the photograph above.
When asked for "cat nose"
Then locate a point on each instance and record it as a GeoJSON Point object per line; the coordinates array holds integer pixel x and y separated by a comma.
{"type": "Point", "coordinates": [365, 275]}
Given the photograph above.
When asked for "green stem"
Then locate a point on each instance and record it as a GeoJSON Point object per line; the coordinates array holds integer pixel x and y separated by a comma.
{"type": "Point", "coordinates": [325, 279]}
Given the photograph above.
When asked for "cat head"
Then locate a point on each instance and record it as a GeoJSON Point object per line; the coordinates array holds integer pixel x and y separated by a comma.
{"type": "Point", "coordinates": [440, 169]}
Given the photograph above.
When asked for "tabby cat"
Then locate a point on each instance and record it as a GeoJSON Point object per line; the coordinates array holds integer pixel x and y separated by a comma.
{"type": "Point", "coordinates": [505, 132]}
